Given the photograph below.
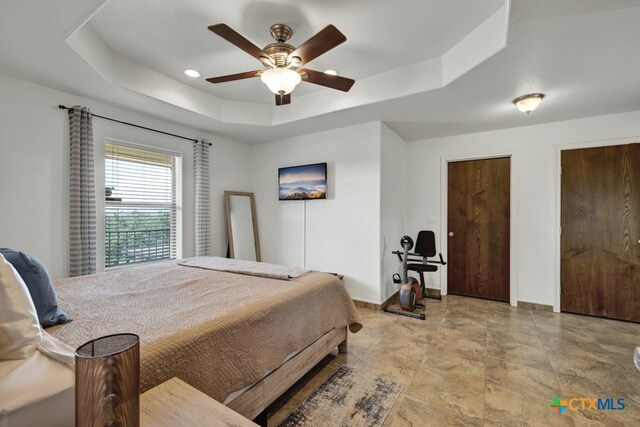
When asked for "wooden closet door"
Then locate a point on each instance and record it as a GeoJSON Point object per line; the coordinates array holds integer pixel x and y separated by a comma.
{"type": "Point", "coordinates": [478, 226]}
{"type": "Point", "coordinates": [600, 242]}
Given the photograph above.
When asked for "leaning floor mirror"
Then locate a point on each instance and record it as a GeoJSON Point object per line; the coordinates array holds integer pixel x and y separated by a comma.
{"type": "Point", "coordinates": [242, 225]}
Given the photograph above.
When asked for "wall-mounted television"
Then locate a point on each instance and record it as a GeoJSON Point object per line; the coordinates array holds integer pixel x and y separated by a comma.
{"type": "Point", "coordinates": [306, 182]}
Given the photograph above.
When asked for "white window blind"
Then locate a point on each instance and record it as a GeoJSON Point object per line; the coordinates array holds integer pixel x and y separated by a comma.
{"type": "Point", "coordinates": [142, 205]}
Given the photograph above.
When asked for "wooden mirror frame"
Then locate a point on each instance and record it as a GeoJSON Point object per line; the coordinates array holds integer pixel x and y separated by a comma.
{"type": "Point", "coordinates": [254, 220]}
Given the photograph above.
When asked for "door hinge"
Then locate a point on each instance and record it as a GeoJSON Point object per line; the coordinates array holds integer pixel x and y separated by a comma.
{"type": "Point", "coordinates": [561, 231]}
{"type": "Point", "coordinates": [560, 170]}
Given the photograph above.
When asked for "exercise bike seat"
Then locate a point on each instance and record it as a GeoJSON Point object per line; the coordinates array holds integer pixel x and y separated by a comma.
{"type": "Point", "coordinates": [422, 267]}
{"type": "Point", "coordinates": [425, 248]}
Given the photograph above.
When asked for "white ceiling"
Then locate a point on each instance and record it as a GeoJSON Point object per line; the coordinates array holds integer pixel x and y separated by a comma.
{"type": "Point", "coordinates": [426, 68]}
{"type": "Point", "coordinates": [172, 35]}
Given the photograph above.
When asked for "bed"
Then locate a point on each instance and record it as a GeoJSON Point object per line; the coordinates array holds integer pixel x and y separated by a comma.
{"type": "Point", "coordinates": [240, 339]}
{"type": "Point", "coordinates": [34, 389]}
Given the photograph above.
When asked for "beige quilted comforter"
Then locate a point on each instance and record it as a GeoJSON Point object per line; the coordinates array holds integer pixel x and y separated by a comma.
{"type": "Point", "coordinates": [219, 332]}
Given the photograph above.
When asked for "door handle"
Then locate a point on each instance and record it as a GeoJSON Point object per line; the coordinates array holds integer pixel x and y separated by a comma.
{"type": "Point", "coordinates": [451, 235]}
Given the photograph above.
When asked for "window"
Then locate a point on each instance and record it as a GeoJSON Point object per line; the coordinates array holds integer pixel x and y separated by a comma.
{"type": "Point", "coordinates": [142, 205]}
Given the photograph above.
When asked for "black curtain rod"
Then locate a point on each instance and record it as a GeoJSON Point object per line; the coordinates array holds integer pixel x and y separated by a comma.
{"type": "Point", "coordinates": [62, 107]}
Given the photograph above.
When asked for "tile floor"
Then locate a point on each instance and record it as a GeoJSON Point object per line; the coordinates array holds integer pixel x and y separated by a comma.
{"type": "Point", "coordinates": [477, 362]}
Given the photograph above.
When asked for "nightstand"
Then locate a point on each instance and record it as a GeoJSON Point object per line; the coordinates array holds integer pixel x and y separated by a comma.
{"type": "Point", "coordinates": [175, 403]}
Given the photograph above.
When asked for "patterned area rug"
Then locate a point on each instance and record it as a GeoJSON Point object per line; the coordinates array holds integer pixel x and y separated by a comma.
{"type": "Point", "coordinates": [348, 398]}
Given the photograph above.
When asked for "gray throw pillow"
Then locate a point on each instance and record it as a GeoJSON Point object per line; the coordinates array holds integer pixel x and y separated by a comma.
{"type": "Point", "coordinates": [36, 277]}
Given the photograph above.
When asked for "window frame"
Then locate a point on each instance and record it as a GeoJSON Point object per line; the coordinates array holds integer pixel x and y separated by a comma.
{"type": "Point", "coordinates": [177, 203]}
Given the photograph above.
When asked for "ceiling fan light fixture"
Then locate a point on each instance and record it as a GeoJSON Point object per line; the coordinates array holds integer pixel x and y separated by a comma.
{"type": "Point", "coordinates": [528, 103]}
{"type": "Point", "coordinates": [331, 72]}
{"type": "Point", "coordinates": [281, 81]}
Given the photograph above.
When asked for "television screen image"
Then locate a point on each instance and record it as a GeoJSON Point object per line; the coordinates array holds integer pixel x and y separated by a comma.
{"type": "Point", "coordinates": [303, 182]}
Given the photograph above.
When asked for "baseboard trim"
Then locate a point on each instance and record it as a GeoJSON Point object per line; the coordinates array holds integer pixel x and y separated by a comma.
{"type": "Point", "coordinates": [433, 292]}
{"type": "Point", "coordinates": [393, 299]}
{"type": "Point", "coordinates": [365, 304]}
{"type": "Point", "coordinates": [534, 306]}
{"type": "Point", "coordinates": [361, 303]}
{"type": "Point", "coordinates": [429, 292]}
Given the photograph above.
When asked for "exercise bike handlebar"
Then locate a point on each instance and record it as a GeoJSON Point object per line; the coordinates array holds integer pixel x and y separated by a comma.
{"type": "Point", "coordinates": [422, 259]}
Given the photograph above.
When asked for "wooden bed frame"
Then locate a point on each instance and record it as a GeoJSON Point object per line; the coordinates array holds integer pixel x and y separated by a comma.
{"type": "Point", "coordinates": [256, 399]}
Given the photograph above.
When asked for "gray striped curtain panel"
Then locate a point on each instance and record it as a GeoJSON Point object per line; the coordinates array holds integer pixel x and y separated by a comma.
{"type": "Point", "coordinates": [202, 210]}
{"type": "Point", "coordinates": [82, 194]}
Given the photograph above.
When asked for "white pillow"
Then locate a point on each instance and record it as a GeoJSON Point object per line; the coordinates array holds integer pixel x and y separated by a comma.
{"type": "Point", "coordinates": [19, 327]}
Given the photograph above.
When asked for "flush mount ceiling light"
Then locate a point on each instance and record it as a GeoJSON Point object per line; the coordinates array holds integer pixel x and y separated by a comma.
{"type": "Point", "coordinates": [192, 73]}
{"type": "Point", "coordinates": [281, 81]}
{"type": "Point", "coordinates": [528, 103]}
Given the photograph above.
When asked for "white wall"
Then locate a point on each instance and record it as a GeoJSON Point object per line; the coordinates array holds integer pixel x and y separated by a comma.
{"type": "Point", "coordinates": [370, 205]}
{"type": "Point", "coordinates": [393, 206]}
{"type": "Point", "coordinates": [34, 164]}
{"type": "Point", "coordinates": [342, 232]}
{"type": "Point", "coordinates": [535, 148]}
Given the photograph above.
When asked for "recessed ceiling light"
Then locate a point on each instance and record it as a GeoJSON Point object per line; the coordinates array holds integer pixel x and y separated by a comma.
{"type": "Point", "coordinates": [528, 103]}
{"type": "Point", "coordinates": [331, 72]}
{"type": "Point", "coordinates": [192, 73]}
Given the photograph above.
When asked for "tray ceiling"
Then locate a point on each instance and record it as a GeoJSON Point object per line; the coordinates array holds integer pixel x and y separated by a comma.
{"type": "Point", "coordinates": [427, 68]}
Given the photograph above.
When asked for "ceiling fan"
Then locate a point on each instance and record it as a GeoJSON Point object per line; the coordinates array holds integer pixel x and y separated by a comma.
{"type": "Point", "coordinates": [283, 62]}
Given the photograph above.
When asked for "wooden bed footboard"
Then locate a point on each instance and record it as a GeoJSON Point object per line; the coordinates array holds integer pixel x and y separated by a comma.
{"type": "Point", "coordinates": [343, 347]}
{"type": "Point", "coordinates": [263, 393]}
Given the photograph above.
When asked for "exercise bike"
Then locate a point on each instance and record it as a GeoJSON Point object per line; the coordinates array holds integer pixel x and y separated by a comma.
{"type": "Point", "coordinates": [411, 292]}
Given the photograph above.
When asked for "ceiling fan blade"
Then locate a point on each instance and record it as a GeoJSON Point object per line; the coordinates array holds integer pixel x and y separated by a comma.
{"type": "Point", "coordinates": [283, 99]}
{"type": "Point", "coordinates": [322, 42]}
{"type": "Point", "coordinates": [328, 80]}
{"type": "Point", "coordinates": [233, 37]}
{"type": "Point", "coordinates": [232, 77]}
